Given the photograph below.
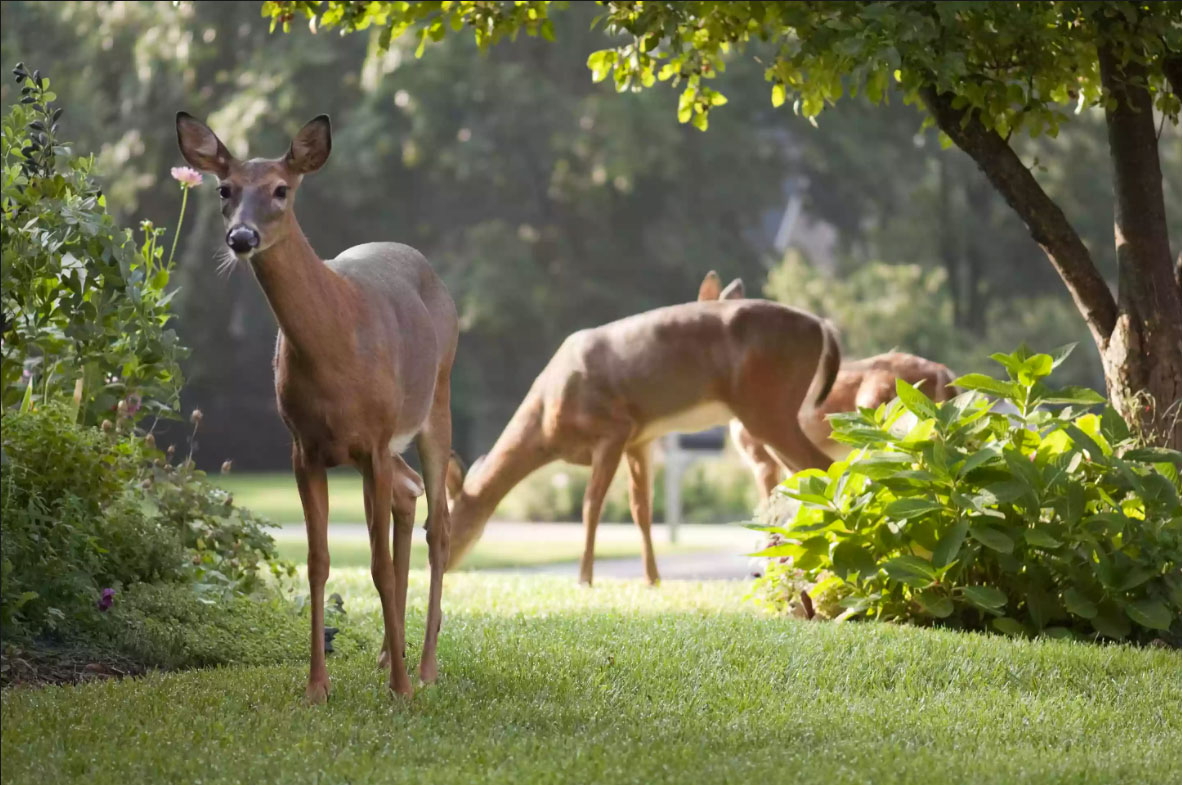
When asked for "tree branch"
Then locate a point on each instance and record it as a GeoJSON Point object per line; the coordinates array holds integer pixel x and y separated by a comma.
{"type": "Point", "coordinates": [1045, 220]}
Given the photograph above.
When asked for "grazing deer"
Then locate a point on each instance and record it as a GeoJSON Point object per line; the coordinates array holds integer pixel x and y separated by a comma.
{"type": "Point", "coordinates": [362, 367]}
{"type": "Point", "coordinates": [859, 383]}
{"type": "Point", "coordinates": [609, 391]}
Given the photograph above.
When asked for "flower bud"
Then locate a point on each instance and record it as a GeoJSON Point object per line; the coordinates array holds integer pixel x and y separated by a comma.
{"type": "Point", "coordinates": [196, 417]}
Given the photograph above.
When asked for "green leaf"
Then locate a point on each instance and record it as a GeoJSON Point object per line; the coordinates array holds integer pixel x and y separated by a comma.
{"type": "Point", "coordinates": [1061, 354]}
{"type": "Point", "coordinates": [909, 508]}
{"type": "Point", "coordinates": [987, 384]}
{"type": "Point", "coordinates": [985, 454]}
{"type": "Point", "coordinates": [1039, 536]}
{"type": "Point", "coordinates": [1109, 622]}
{"type": "Point", "coordinates": [1010, 626]}
{"type": "Point", "coordinates": [914, 400]}
{"type": "Point", "coordinates": [1074, 395]}
{"type": "Point", "coordinates": [780, 550]}
{"type": "Point", "coordinates": [1078, 604]}
{"type": "Point", "coordinates": [779, 94]}
{"type": "Point", "coordinates": [1154, 455]}
{"type": "Point", "coordinates": [947, 550]}
{"type": "Point", "coordinates": [849, 557]}
{"type": "Point", "coordinates": [935, 602]}
{"type": "Point", "coordinates": [911, 570]}
{"type": "Point", "coordinates": [1150, 613]}
{"type": "Point", "coordinates": [985, 597]}
{"type": "Point", "coordinates": [992, 537]}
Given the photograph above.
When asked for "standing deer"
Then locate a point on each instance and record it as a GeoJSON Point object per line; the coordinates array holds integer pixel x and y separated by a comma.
{"type": "Point", "coordinates": [609, 391]}
{"type": "Point", "coordinates": [362, 367]}
{"type": "Point", "coordinates": [859, 383]}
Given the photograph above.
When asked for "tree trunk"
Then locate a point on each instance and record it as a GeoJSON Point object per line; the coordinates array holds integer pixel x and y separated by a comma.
{"type": "Point", "coordinates": [1143, 356]}
{"type": "Point", "coordinates": [1140, 341]}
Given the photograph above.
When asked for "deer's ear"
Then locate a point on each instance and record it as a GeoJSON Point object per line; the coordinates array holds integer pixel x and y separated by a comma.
{"type": "Point", "coordinates": [311, 146]}
{"type": "Point", "coordinates": [733, 291]}
{"type": "Point", "coordinates": [200, 146]}
{"type": "Point", "coordinates": [711, 287]}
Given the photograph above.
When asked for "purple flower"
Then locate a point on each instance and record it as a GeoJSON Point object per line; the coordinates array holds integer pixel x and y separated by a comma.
{"type": "Point", "coordinates": [108, 597]}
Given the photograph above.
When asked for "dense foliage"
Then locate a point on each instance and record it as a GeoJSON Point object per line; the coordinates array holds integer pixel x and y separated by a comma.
{"type": "Point", "coordinates": [85, 307]}
{"type": "Point", "coordinates": [87, 510]}
{"type": "Point", "coordinates": [1050, 520]}
{"type": "Point", "coordinates": [90, 505]}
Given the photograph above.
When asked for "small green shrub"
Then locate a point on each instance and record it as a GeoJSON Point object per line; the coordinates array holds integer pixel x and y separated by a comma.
{"type": "Point", "coordinates": [167, 626]}
{"type": "Point", "coordinates": [83, 303]}
{"type": "Point", "coordinates": [1052, 522]}
{"type": "Point", "coordinates": [84, 510]}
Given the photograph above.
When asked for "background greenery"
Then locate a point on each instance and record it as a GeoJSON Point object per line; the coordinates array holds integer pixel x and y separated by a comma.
{"type": "Point", "coordinates": [552, 206]}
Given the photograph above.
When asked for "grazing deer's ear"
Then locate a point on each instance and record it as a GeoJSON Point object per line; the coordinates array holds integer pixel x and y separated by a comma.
{"type": "Point", "coordinates": [311, 146]}
{"type": "Point", "coordinates": [733, 291]}
{"type": "Point", "coordinates": [200, 146]}
{"type": "Point", "coordinates": [711, 287]}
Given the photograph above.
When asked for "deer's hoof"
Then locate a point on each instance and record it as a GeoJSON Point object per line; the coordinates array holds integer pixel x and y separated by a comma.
{"type": "Point", "coordinates": [428, 672]}
{"type": "Point", "coordinates": [402, 687]}
{"type": "Point", "coordinates": [317, 692]}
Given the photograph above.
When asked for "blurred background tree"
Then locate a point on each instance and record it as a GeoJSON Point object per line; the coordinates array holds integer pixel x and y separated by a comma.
{"type": "Point", "coordinates": [548, 202]}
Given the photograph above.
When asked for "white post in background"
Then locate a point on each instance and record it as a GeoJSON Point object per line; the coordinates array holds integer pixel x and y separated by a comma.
{"type": "Point", "coordinates": [673, 470]}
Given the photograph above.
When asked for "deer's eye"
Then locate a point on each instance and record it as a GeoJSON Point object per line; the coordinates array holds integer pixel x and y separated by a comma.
{"type": "Point", "coordinates": [280, 192]}
{"type": "Point", "coordinates": [224, 191]}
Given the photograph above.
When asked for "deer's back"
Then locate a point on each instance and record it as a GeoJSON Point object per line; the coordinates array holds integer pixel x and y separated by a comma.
{"type": "Point", "coordinates": [648, 367]}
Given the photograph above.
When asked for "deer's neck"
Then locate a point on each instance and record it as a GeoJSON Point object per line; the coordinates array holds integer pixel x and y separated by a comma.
{"type": "Point", "coordinates": [518, 451]}
{"type": "Point", "coordinates": [307, 298]}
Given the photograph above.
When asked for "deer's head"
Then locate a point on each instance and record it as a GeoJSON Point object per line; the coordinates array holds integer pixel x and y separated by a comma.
{"type": "Point", "coordinates": [257, 195]}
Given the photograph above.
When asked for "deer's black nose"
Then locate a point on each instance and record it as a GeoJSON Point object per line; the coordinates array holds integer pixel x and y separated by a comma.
{"type": "Point", "coordinates": [242, 239]}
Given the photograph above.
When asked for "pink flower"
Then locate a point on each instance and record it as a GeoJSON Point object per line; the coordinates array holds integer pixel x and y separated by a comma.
{"type": "Point", "coordinates": [106, 599]}
{"type": "Point", "coordinates": [186, 176]}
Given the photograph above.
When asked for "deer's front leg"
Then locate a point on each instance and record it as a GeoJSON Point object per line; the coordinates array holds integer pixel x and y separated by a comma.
{"type": "Point", "coordinates": [378, 475]}
{"type": "Point", "coordinates": [312, 482]}
{"type": "Point", "coordinates": [605, 458]}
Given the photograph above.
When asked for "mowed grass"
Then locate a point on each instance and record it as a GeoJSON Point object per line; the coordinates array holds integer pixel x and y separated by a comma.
{"type": "Point", "coordinates": [486, 554]}
{"type": "Point", "coordinates": [544, 681]}
{"type": "Point", "coordinates": [274, 495]}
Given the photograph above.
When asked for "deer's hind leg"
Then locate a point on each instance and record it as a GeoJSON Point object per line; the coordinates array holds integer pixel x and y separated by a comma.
{"type": "Point", "coordinates": [389, 578]}
{"type": "Point", "coordinates": [767, 402]}
{"type": "Point", "coordinates": [408, 487]}
{"type": "Point", "coordinates": [640, 496]}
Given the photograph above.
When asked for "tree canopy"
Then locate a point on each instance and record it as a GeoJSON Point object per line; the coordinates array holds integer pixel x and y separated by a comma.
{"type": "Point", "coordinates": [984, 71]}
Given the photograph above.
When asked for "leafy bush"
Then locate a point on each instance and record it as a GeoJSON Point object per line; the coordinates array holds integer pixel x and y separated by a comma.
{"type": "Point", "coordinates": [83, 304]}
{"type": "Point", "coordinates": [86, 509]}
{"type": "Point", "coordinates": [1046, 521]}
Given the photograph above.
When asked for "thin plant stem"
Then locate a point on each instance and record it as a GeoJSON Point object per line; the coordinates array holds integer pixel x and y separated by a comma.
{"type": "Point", "coordinates": [179, 223]}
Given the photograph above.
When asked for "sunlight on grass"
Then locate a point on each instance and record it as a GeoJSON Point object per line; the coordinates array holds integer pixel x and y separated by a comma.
{"type": "Point", "coordinates": [545, 681]}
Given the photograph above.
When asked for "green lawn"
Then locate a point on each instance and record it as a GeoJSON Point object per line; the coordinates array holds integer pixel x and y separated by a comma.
{"type": "Point", "coordinates": [546, 681]}
{"type": "Point", "coordinates": [488, 553]}
{"type": "Point", "coordinates": [274, 495]}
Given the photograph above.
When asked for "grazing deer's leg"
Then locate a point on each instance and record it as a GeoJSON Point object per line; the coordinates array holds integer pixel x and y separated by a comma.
{"type": "Point", "coordinates": [434, 445]}
{"type": "Point", "coordinates": [605, 459]}
{"type": "Point", "coordinates": [378, 475]}
{"type": "Point", "coordinates": [312, 482]}
{"type": "Point", "coordinates": [640, 495]}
